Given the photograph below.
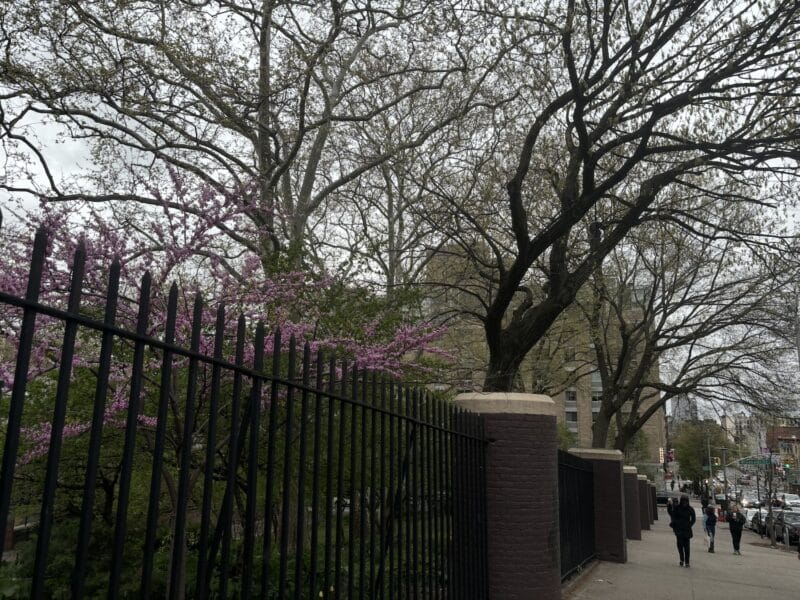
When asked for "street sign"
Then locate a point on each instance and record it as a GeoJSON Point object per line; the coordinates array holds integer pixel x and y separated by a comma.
{"type": "Point", "coordinates": [753, 461]}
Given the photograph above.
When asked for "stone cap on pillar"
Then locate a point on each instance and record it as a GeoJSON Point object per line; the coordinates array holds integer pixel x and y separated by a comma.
{"type": "Point", "coordinates": [597, 453]}
{"type": "Point", "coordinates": [506, 403]}
{"type": "Point", "coordinates": [642, 477]}
{"type": "Point", "coordinates": [630, 470]}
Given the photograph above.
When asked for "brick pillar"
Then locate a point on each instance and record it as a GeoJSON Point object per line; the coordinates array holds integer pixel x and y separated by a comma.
{"type": "Point", "coordinates": [644, 501]}
{"type": "Point", "coordinates": [609, 503]}
{"type": "Point", "coordinates": [633, 519]}
{"type": "Point", "coordinates": [521, 494]}
{"type": "Point", "coordinates": [654, 502]}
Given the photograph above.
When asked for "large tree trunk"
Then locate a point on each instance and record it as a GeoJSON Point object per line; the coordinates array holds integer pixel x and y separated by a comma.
{"type": "Point", "coordinates": [502, 374]}
{"type": "Point", "coordinates": [600, 430]}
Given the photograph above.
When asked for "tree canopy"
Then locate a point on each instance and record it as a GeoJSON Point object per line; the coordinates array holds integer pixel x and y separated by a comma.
{"type": "Point", "coordinates": [527, 140]}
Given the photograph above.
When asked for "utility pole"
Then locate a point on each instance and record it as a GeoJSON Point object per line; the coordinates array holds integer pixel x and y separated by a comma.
{"type": "Point", "coordinates": [725, 472]}
{"type": "Point", "coordinates": [710, 476]}
{"type": "Point", "coordinates": [770, 518]}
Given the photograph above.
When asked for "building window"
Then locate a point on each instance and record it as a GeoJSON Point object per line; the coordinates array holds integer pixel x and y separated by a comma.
{"type": "Point", "coordinates": [571, 395]}
{"type": "Point", "coordinates": [597, 381]}
{"type": "Point", "coordinates": [597, 391]}
{"type": "Point", "coordinates": [570, 353]}
{"type": "Point", "coordinates": [571, 419]}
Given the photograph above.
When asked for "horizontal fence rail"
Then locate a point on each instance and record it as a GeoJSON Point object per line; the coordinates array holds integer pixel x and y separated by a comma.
{"type": "Point", "coordinates": [576, 512]}
{"type": "Point", "coordinates": [261, 469]}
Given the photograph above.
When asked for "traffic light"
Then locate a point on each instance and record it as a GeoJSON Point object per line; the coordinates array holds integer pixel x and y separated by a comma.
{"type": "Point", "coordinates": [717, 462]}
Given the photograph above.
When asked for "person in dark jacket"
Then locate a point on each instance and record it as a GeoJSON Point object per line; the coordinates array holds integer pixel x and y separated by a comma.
{"type": "Point", "coordinates": [682, 517]}
{"type": "Point", "coordinates": [711, 527]}
{"type": "Point", "coordinates": [736, 520]}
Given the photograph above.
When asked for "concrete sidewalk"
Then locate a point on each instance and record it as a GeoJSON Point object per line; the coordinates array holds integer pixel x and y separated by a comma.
{"type": "Point", "coordinates": [652, 571]}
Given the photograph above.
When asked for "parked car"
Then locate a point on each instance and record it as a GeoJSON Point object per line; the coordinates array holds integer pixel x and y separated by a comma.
{"type": "Point", "coordinates": [754, 518]}
{"type": "Point", "coordinates": [787, 526]}
{"type": "Point", "coordinates": [760, 520]}
{"type": "Point", "coordinates": [769, 521]}
{"type": "Point", "coordinates": [790, 500]}
{"type": "Point", "coordinates": [749, 501]}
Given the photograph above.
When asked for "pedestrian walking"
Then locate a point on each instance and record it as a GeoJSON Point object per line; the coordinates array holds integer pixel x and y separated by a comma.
{"type": "Point", "coordinates": [710, 527]}
{"type": "Point", "coordinates": [736, 520]}
{"type": "Point", "coordinates": [682, 518]}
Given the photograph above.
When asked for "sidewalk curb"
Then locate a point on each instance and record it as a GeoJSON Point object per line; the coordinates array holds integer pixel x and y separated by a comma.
{"type": "Point", "coordinates": [576, 583]}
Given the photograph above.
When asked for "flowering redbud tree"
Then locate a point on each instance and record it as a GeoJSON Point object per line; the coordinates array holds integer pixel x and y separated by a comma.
{"type": "Point", "coordinates": [199, 253]}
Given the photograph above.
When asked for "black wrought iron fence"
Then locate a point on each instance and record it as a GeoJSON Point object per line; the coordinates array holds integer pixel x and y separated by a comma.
{"type": "Point", "coordinates": [576, 512]}
{"type": "Point", "coordinates": [269, 474]}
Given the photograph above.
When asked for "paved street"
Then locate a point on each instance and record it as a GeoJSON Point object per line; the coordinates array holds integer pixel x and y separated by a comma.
{"type": "Point", "coordinates": [652, 571]}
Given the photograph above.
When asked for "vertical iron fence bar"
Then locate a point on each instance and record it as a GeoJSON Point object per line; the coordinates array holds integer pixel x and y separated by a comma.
{"type": "Point", "coordinates": [392, 516]}
{"type": "Point", "coordinates": [340, 484]}
{"type": "Point", "coordinates": [441, 504]}
{"type": "Point", "coordinates": [453, 522]}
{"type": "Point", "coordinates": [372, 472]}
{"type": "Point", "coordinates": [57, 425]}
{"type": "Point", "coordinates": [126, 469]}
{"type": "Point", "coordinates": [463, 504]}
{"type": "Point", "coordinates": [177, 582]}
{"type": "Point", "coordinates": [464, 472]}
{"type": "Point", "coordinates": [362, 491]}
{"type": "Point", "coordinates": [351, 548]}
{"type": "Point", "coordinates": [415, 495]}
{"type": "Point", "coordinates": [226, 516]}
{"type": "Point", "coordinates": [405, 486]}
{"type": "Point", "coordinates": [404, 532]}
{"type": "Point", "coordinates": [384, 509]}
{"type": "Point", "coordinates": [95, 435]}
{"type": "Point", "coordinates": [397, 502]}
{"type": "Point", "coordinates": [476, 449]}
{"type": "Point", "coordinates": [158, 445]}
{"type": "Point", "coordinates": [473, 505]}
{"type": "Point", "coordinates": [329, 507]}
{"type": "Point", "coordinates": [271, 441]}
{"type": "Point", "coordinates": [17, 400]}
{"type": "Point", "coordinates": [399, 493]}
{"type": "Point", "coordinates": [253, 410]}
{"type": "Point", "coordinates": [288, 432]}
{"type": "Point", "coordinates": [409, 490]}
{"type": "Point", "coordinates": [466, 482]}
{"type": "Point", "coordinates": [301, 474]}
{"type": "Point", "coordinates": [211, 448]}
{"type": "Point", "coordinates": [424, 490]}
{"type": "Point", "coordinates": [484, 566]}
{"type": "Point", "coordinates": [430, 494]}
{"type": "Point", "coordinates": [316, 468]}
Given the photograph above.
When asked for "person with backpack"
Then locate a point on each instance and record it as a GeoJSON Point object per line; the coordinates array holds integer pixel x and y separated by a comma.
{"type": "Point", "coordinates": [682, 518]}
{"type": "Point", "coordinates": [710, 527]}
{"type": "Point", "coordinates": [736, 520]}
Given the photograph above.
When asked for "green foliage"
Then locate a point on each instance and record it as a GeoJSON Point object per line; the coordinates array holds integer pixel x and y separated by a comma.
{"type": "Point", "coordinates": [692, 445]}
{"type": "Point", "coordinates": [566, 439]}
{"type": "Point", "coordinates": [637, 449]}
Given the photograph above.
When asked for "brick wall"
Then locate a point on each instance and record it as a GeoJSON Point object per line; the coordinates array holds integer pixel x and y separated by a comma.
{"type": "Point", "coordinates": [644, 501]}
{"type": "Point", "coordinates": [609, 503]}
{"type": "Point", "coordinates": [521, 495]}
{"type": "Point", "coordinates": [633, 519]}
